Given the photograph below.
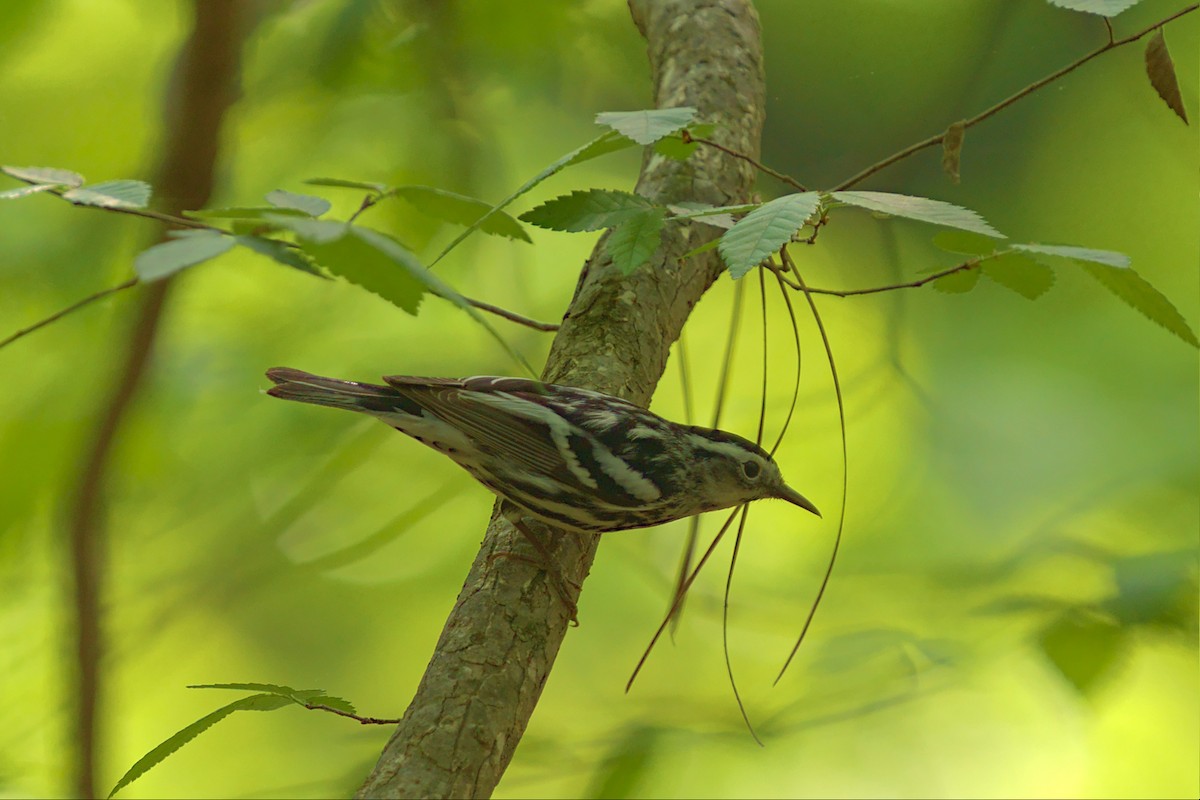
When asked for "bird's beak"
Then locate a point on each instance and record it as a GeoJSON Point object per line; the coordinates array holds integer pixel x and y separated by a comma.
{"type": "Point", "coordinates": [797, 499]}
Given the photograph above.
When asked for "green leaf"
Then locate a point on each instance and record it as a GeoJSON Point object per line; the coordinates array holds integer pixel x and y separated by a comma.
{"type": "Point", "coordinates": [588, 210]}
{"type": "Point", "coordinates": [1024, 276]}
{"type": "Point", "coordinates": [25, 191]}
{"type": "Point", "coordinates": [957, 282]}
{"type": "Point", "coordinates": [717, 216]}
{"type": "Point", "coordinates": [764, 230]}
{"type": "Point", "coordinates": [966, 244]}
{"type": "Point", "coordinates": [1105, 8]}
{"type": "Point", "coordinates": [1083, 648]}
{"type": "Point", "coordinates": [357, 255]}
{"type": "Point", "coordinates": [1160, 69]}
{"type": "Point", "coordinates": [279, 251]}
{"type": "Point", "coordinates": [460, 210]}
{"type": "Point", "coordinates": [258, 702]}
{"type": "Point", "coordinates": [922, 209]}
{"type": "Point", "coordinates": [633, 242]}
{"type": "Point", "coordinates": [647, 127]}
{"type": "Point", "coordinates": [164, 260]}
{"type": "Point", "coordinates": [305, 203]}
{"type": "Point", "coordinates": [320, 231]}
{"type": "Point", "coordinates": [339, 183]}
{"type": "Point", "coordinates": [607, 142]}
{"type": "Point", "coordinates": [952, 143]}
{"type": "Point", "coordinates": [45, 175]}
{"type": "Point", "coordinates": [1109, 258]}
{"type": "Point", "coordinates": [245, 212]}
{"type": "Point", "coordinates": [111, 194]}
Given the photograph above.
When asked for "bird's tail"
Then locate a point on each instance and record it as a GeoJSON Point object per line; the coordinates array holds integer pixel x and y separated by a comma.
{"type": "Point", "coordinates": [294, 384]}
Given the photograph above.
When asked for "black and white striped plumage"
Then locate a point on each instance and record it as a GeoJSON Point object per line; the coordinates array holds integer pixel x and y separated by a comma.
{"type": "Point", "coordinates": [570, 457]}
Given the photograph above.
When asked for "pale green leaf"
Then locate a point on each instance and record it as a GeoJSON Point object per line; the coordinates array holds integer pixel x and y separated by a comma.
{"type": "Point", "coordinates": [111, 194]}
{"type": "Point", "coordinates": [1105, 8]}
{"type": "Point", "coordinates": [25, 191]}
{"type": "Point", "coordinates": [633, 242]}
{"type": "Point", "coordinates": [460, 210]}
{"type": "Point", "coordinates": [1109, 258]}
{"type": "Point", "coordinates": [165, 259]}
{"type": "Point", "coordinates": [305, 203]}
{"type": "Point", "coordinates": [47, 175]}
{"type": "Point", "coordinates": [244, 212]}
{"type": "Point", "coordinates": [258, 702]}
{"type": "Point", "coordinates": [1024, 276]}
{"type": "Point", "coordinates": [588, 210]}
{"type": "Point", "coordinates": [922, 209]}
{"type": "Point", "coordinates": [648, 126]}
{"type": "Point", "coordinates": [319, 231]}
{"type": "Point", "coordinates": [766, 229]}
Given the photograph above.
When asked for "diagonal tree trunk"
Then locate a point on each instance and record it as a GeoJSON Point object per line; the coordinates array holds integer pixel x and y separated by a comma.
{"type": "Point", "coordinates": [500, 641]}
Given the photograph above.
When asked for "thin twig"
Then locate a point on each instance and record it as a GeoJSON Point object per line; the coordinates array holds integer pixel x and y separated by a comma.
{"type": "Point", "coordinates": [758, 165]}
{"type": "Point", "coordinates": [129, 284]}
{"type": "Point", "coordinates": [966, 265]}
{"type": "Point", "coordinates": [350, 715]}
{"type": "Point", "coordinates": [933, 141]}
{"type": "Point", "coordinates": [512, 316]}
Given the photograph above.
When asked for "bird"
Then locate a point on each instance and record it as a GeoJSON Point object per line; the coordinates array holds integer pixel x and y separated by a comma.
{"type": "Point", "coordinates": [572, 458]}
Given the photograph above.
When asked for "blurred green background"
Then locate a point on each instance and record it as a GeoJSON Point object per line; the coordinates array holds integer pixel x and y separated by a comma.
{"type": "Point", "coordinates": [1014, 609]}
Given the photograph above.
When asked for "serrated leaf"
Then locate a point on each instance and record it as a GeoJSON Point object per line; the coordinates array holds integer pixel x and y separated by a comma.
{"type": "Point", "coordinates": [358, 257]}
{"type": "Point", "coordinates": [1160, 69]}
{"type": "Point", "coordinates": [338, 703]}
{"type": "Point", "coordinates": [280, 252]}
{"type": "Point", "coordinates": [965, 244]}
{"type": "Point", "coordinates": [258, 702]}
{"type": "Point", "coordinates": [25, 191]}
{"type": "Point", "coordinates": [1024, 276]}
{"type": "Point", "coordinates": [633, 242]}
{"type": "Point", "coordinates": [957, 282]}
{"type": "Point", "coordinates": [1105, 8]}
{"type": "Point", "coordinates": [1134, 290]}
{"type": "Point", "coordinates": [340, 183]}
{"type": "Point", "coordinates": [764, 230]}
{"type": "Point", "coordinates": [165, 259]}
{"type": "Point", "coordinates": [952, 142]}
{"type": "Point", "coordinates": [1083, 649]}
{"type": "Point", "coordinates": [460, 210]}
{"type": "Point", "coordinates": [648, 126]}
{"type": "Point", "coordinates": [47, 175]}
{"type": "Point", "coordinates": [587, 210]}
{"type": "Point", "coordinates": [923, 209]}
{"type": "Point", "coordinates": [1109, 258]}
{"type": "Point", "coordinates": [607, 142]}
{"type": "Point", "coordinates": [111, 194]}
{"type": "Point", "coordinates": [304, 203]}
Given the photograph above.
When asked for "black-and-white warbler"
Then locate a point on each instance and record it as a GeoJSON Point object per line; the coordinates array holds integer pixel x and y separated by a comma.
{"type": "Point", "coordinates": [573, 458]}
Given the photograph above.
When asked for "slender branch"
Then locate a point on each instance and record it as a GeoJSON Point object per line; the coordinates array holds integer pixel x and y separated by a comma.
{"type": "Point", "coordinates": [512, 316]}
{"type": "Point", "coordinates": [758, 165]}
{"type": "Point", "coordinates": [100, 295]}
{"type": "Point", "coordinates": [349, 715]}
{"type": "Point", "coordinates": [933, 141]}
{"type": "Point", "coordinates": [963, 267]}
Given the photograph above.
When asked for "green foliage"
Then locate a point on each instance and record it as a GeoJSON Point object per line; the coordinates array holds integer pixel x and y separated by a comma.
{"type": "Point", "coordinates": [1160, 69]}
{"type": "Point", "coordinates": [111, 194]}
{"type": "Point", "coordinates": [304, 203]}
{"type": "Point", "coordinates": [764, 230]}
{"type": "Point", "coordinates": [164, 260]}
{"type": "Point", "coordinates": [1083, 648]}
{"type": "Point", "coordinates": [459, 209]}
{"type": "Point", "coordinates": [923, 209]}
{"type": "Point", "coordinates": [1104, 8]}
{"type": "Point", "coordinates": [957, 282]}
{"type": "Point", "coordinates": [1024, 276]}
{"type": "Point", "coordinates": [647, 126]}
{"type": "Point", "coordinates": [46, 176]}
{"type": "Point", "coordinates": [271, 697]}
{"type": "Point", "coordinates": [634, 241]}
{"type": "Point", "coordinates": [589, 210]}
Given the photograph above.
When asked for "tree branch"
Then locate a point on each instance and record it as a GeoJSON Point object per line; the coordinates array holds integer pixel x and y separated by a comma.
{"type": "Point", "coordinates": [500, 641]}
{"type": "Point", "coordinates": [933, 141]}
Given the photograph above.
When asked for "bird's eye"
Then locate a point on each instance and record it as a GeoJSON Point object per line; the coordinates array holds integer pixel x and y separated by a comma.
{"type": "Point", "coordinates": [751, 469]}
